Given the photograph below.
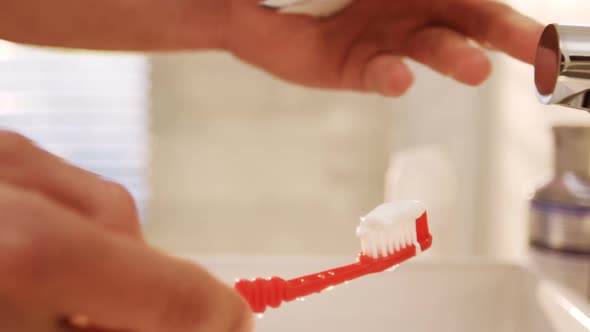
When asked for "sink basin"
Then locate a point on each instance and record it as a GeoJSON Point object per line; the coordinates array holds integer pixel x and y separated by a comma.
{"type": "Point", "coordinates": [418, 296]}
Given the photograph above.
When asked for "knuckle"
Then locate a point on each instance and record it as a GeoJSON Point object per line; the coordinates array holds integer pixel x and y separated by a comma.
{"type": "Point", "coordinates": [122, 205]}
{"type": "Point", "coordinates": [121, 194]}
{"type": "Point", "coordinates": [121, 197]}
{"type": "Point", "coordinates": [13, 144]}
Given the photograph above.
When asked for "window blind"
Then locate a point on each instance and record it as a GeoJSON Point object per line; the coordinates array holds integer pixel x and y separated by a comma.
{"type": "Point", "coordinates": [89, 108]}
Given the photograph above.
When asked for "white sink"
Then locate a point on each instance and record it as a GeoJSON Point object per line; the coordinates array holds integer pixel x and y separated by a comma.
{"type": "Point", "coordinates": [419, 296]}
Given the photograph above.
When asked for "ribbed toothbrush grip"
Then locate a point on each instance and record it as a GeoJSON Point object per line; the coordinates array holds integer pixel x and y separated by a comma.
{"type": "Point", "coordinates": [260, 293]}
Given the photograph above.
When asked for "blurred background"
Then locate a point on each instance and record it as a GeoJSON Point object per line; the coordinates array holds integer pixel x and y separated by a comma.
{"type": "Point", "coordinates": [224, 159]}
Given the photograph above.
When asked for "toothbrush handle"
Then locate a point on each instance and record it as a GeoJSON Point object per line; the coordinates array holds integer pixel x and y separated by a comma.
{"type": "Point", "coordinates": [317, 282]}
{"type": "Point", "coordinates": [260, 293]}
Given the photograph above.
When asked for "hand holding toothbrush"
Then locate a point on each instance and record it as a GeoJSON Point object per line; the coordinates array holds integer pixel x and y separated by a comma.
{"type": "Point", "coordinates": [358, 45]}
{"type": "Point", "coordinates": [72, 258]}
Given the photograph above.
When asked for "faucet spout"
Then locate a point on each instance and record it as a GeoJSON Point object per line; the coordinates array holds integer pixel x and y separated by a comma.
{"type": "Point", "coordinates": [562, 66]}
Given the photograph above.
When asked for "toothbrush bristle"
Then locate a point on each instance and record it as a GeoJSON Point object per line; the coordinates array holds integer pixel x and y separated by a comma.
{"type": "Point", "coordinates": [394, 238]}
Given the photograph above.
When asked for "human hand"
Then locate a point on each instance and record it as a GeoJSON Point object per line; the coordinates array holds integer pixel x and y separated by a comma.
{"type": "Point", "coordinates": [363, 46]}
{"type": "Point", "coordinates": [70, 247]}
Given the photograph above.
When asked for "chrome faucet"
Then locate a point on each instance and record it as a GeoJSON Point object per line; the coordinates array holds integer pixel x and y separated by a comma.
{"type": "Point", "coordinates": [562, 66]}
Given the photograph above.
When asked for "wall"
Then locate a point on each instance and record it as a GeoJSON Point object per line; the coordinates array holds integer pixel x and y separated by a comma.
{"type": "Point", "coordinates": [436, 154]}
{"type": "Point", "coordinates": [245, 163]}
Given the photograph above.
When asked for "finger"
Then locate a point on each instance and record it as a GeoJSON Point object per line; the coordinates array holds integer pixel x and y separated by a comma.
{"type": "Point", "coordinates": [81, 324]}
{"type": "Point", "coordinates": [388, 75]}
{"type": "Point", "coordinates": [24, 164]}
{"type": "Point", "coordinates": [449, 53]}
{"type": "Point", "coordinates": [65, 265]}
{"type": "Point", "coordinates": [493, 23]}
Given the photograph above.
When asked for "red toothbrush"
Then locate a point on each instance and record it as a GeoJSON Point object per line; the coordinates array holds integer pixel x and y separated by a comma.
{"type": "Point", "coordinates": [390, 234]}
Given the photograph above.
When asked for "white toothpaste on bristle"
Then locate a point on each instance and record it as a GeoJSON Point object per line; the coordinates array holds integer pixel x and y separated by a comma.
{"type": "Point", "coordinates": [389, 228]}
